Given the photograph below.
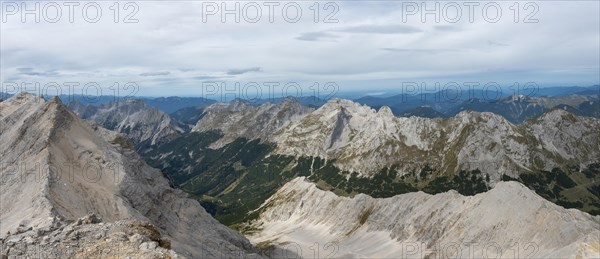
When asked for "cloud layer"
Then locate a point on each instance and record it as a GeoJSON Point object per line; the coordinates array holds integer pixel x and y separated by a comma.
{"type": "Point", "coordinates": [171, 51]}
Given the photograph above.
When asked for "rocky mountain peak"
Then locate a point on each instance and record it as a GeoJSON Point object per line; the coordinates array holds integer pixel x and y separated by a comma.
{"type": "Point", "coordinates": [132, 101]}
{"type": "Point", "coordinates": [476, 117]}
{"type": "Point", "coordinates": [385, 111]}
{"type": "Point", "coordinates": [556, 114]}
{"type": "Point", "coordinates": [240, 119]}
{"type": "Point", "coordinates": [55, 99]}
{"type": "Point", "coordinates": [290, 101]}
{"type": "Point", "coordinates": [236, 105]}
{"type": "Point", "coordinates": [340, 121]}
{"type": "Point", "coordinates": [129, 105]}
{"type": "Point", "coordinates": [360, 140]}
{"type": "Point", "coordinates": [509, 213]}
{"type": "Point", "coordinates": [23, 97]}
{"type": "Point", "coordinates": [239, 104]}
{"type": "Point", "coordinates": [56, 167]}
{"type": "Point", "coordinates": [516, 98]}
{"type": "Point", "coordinates": [145, 125]}
{"type": "Point", "coordinates": [26, 96]}
{"type": "Point", "coordinates": [338, 104]}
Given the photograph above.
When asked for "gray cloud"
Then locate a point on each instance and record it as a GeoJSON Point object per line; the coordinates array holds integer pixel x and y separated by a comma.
{"type": "Point", "coordinates": [427, 51]}
{"type": "Point", "coordinates": [24, 69]}
{"type": "Point", "coordinates": [381, 29]}
{"type": "Point", "coordinates": [363, 29]}
{"type": "Point", "coordinates": [202, 78]}
{"type": "Point", "coordinates": [29, 71]}
{"type": "Point", "coordinates": [243, 70]}
{"type": "Point", "coordinates": [168, 38]}
{"type": "Point", "coordinates": [499, 44]}
{"type": "Point", "coordinates": [316, 36]}
{"type": "Point", "coordinates": [451, 28]}
{"type": "Point", "coordinates": [159, 73]}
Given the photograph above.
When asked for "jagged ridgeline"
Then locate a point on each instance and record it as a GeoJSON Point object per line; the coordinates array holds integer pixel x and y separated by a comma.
{"type": "Point", "coordinates": [75, 190]}
{"type": "Point", "coordinates": [146, 126]}
{"type": "Point", "coordinates": [238, 155]}
{"type": "Point", "coordinates": [233, 181]}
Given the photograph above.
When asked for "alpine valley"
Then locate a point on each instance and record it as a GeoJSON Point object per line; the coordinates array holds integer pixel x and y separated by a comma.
{"type": "Point", "coordinates": [339, 179]}
{"type": "Point", "coordinates": [353, 181]}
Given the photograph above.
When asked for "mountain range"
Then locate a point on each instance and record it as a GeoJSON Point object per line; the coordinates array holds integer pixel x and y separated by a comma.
{"type": "Point", "coordinates": [516, 108]}
{"type": "Point", "coordinates": [71, 189]}
{"type": "Point", "coordinates": [504, 142]}
{"type": "Point", "coordinates": [363, 140]}
{"type": "Point", "coordinates": [144, 125]}
{"type": "Point", "coordinates": [240, 119]}
{"type": "Point", "coordinates": [238, 155]}
{"type": "Point", "coordinates": [340, 179]}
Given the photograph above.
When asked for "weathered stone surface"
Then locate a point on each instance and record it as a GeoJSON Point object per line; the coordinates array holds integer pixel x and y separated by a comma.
{"type": "Point", "coordinates": [302, 219]}
{"type": "Point", "coordinates": [56, 169]}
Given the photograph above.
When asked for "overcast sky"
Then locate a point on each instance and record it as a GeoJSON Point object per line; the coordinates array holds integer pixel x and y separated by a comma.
{"type": "Point", "coordinates": [373, 47]}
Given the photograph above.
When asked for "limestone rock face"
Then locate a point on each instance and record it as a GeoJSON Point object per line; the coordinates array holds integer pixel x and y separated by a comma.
{"type": "Point", "coordinates": [363, 140]}
{"type": "Point", "coordinates": [56, 167]}
{"type": "Point", "coordinates": [301, 219]}
{"type": "Point", "coordinates": [87, 238]}
{"type": "Point", "coordinates": [144, 125]}
{"type": "Point", "coordinates": [240, 119]}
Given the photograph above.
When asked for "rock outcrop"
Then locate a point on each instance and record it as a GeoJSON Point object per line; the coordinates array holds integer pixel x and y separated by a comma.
{"type": "Point", "coordinates": [240, 119]}
{"type": "Point", "coordinates": [88, 237]}
{"type": "Point", "coordinates": [363, 140]}
{"type": "Point", "coordinates": [509, 221]}
{"type": "Point", "coordinates": [58, 168]}
{"type": "Point", "coordinates": [145, 125]}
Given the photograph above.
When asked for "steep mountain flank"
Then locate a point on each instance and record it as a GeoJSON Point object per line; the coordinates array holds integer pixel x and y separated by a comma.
{"type": "Point", "coordinates": [57, 169]}
{"type": "Point", "coordinates": [240, 119]}
{"type": "Point", "coordinates": [232, 161]}
{"type": "Point", "coordinates": [146, 126]}
{"type": "Point", "coordinates": [505, 222]}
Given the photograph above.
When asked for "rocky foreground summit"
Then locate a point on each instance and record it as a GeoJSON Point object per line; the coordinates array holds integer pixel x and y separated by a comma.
{"type": "Point", "coordinates": [509, 221]}
{"type": "Point", "coordinates": [71, 189]}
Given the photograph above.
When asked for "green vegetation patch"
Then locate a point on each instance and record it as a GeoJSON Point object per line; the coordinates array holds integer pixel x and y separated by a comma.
{"type": "Point", "coordinates": [571, 187]}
